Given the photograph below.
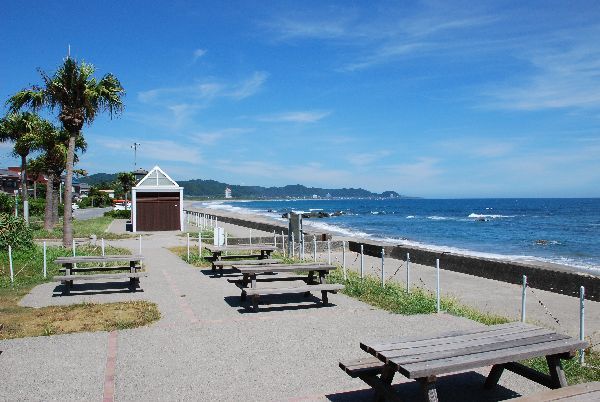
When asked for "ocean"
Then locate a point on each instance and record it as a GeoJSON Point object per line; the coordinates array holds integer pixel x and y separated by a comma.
{"type": "Point", "coordinates": [562, 231]}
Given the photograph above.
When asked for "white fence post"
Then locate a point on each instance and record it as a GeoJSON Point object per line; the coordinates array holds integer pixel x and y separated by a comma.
{"type": "Point", "coordinates": [250, 238]}
{"type": "Point", "coordinates": [344, 259]}
{"type": "Point", "coordinates": [199, 244]}
{"type": "Point", "coordinates": [45, 262]}
{"type": "Point", "coordinates": [362, 262]}
{"type": "Point", "coordinates": [188, 247]}
{"type": "Point", "coordinates": [382, 267]}
{"type": "Point", "coordinates": [10, 263]}
{"type": "Point", "coordinates": [437, 267]}
{"type": "Point", "coordinates": [523, 298]}
{"type": "Point", "coordinates": [302, 246]}
{"type": "Point", "coordinates": [293, 246]}
{"type": "Point", "coordinates": [274, 240]}
{"type": "Point", "coordinates": [102, 249]}
{"type": "Point", "coordinates": [73, 245]}
{"type": "Point", "coordinates": [581, 322]}
{"type": "Point", "coordinates": [328, 251]}
{"type": "Point", "coordinates": [314, 248]}
{"type": "Point", "coordinates": [407, 272]}
{"type": "Point", "coordinates": [283, 243]}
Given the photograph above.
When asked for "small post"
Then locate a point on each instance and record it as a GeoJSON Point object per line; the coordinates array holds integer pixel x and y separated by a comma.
{"type": "Point", "coordinates": [362, 262]}
{"type": "Point", "coordinates": [437, 268]}
{"type": "Point", "coordinates": [328, 251]}
{"type": "Point", "coordinates": [274, 240]}
{"type": "Point", "coordinates": [216, 221]}
{"type": "Point", "coordinates": [314, 248]}
{"type": "Point", "coordinates": [10, 263]}
{"type": "Point", "coordinates": [73, 246]}
{"type": "Point", "coordinates": [199, 244]}
{"type": "Point", "coordinates": [302, 246]}
{"type": "Point", "coordinates": [407, 272]}
{"type": "Point", "coordinates": [45, 262]}
{"type": "Point", "coordinates": [283, 243]}
{"type": "Point", "coordinates": [250, 238]}
{"type": "Point", "coordinates": [102, 248]}
{"type": "Point", "coordinates": [226, 241]}
{"type": "Point", "coordinates": [382, 267]}
{"type": "Point", "coordinates": [523, 298]}
{"type": "Point", "coordinates": [344, 259]}
{"type": "Point", "coordinates": [293, 246]}
{"type": "Point", "coordinates": [581, 322]}
{"type": "Point", "coordinates": [140, 251]}
{"type": "Point", "coordinates": [188, 247]}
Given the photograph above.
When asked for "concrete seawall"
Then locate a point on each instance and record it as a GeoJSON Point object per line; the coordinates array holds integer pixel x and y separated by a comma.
{"type": "Point", "coordinates": [543, 276]}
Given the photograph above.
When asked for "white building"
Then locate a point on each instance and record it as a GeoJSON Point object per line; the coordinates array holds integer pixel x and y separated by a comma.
{"type": "Point", "coordinates": [227, 192]}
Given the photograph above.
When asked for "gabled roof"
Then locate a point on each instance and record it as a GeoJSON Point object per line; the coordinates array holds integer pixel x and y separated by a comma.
{"type": "Point", "coordinates": [157, 178]}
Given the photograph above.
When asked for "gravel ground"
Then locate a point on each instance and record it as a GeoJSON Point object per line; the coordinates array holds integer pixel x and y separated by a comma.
{"type": "Point", "coordinates": [208, 346]}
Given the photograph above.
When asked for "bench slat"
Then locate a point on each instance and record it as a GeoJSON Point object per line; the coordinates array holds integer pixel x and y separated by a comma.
{"type": "Point", "coordinates": [297, 289]}
{"type": "Point", "coordinates": [88, 269]}
{"type": "Point", "coordinates": [97, 258]}
{"type": "Point", "coordinates": [367, 365]}
{"type": "Point", "coordinates": [252, 269]}
{"type": "Point", "coordinates": [246, 262]}
{"type": "Point", "coordinates": [581, 392]}
{"type": "Point", "coordinates": [475, 360]}
{"type": "Point", "coordinates": [99, 276]}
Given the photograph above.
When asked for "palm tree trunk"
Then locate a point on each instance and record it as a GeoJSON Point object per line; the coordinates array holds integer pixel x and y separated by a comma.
{"type": "Point", "coordinates": [48, 222]}
{"type": "Point", "coordinates": [24, 187]}
{"type": "Point", "coordinates": [68, 212]}
{"type": "Point", "coordinates": [55, 200]}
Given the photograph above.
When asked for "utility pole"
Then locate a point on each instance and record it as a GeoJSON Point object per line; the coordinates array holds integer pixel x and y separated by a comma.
{"type": "Point", "coordinates": [134, 146]}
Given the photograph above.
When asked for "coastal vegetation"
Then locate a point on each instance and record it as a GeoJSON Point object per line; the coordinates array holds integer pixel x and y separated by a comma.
{"type": "Point", "coordinates": [79, 98]}
{"type": "Point", "coordinates": [82, 229]}
{"type": "Point", "coordinates": [17, 321]}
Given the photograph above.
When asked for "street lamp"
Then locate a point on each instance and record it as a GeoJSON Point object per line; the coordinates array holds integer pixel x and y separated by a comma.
{"type": "Point", "coordinates": [134, 146]}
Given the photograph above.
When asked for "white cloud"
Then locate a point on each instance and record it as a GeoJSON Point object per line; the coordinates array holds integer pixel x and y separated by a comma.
{"type": "Point", "coordinates": [198, 53]}
{"type": "Point", "coordinates": [295, 117]}
{"type": "Point", "coordinates": [249, 87]}
{"type": "Point", "coordinates": [367, 158]}
{"type": "Point", "coordinates": [213, 137]}
{"type": "Point", "coordinates": [416, 175]}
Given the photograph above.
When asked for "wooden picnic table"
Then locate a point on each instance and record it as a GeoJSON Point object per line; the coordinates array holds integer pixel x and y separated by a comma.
{"type": "Point", "coordinates": [249, 273]}
{"type": "Point", "coordinates": [217, 252]}
{"type": "Point", "coordinates": [70, 269]}
{"type": "Point", "coordinates": [501, 346]}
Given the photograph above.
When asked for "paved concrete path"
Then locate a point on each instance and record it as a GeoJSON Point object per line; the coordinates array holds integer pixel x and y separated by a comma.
{"type": "Point", "coordinates": [207, 346]}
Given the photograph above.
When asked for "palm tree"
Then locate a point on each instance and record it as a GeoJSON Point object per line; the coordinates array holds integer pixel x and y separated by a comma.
{"type": "Point", "coordinates": [25, 130]}
{"type": "Point", "coordinates": [79, 97]}
{"type": "Point", "coordinates": [127, 180]}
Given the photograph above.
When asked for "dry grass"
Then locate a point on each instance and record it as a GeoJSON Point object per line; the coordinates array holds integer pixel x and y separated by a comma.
{"type": "Point", "coordinates": [19, 322]}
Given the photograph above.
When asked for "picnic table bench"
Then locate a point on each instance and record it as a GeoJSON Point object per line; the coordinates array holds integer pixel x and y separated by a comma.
{"type": "Point", "coordinates": [589, 391]}
{"type": "Point", "coordinates": [249, 273]}
{"type": "Point", "coordinates": [217, 252]}
{"type": "Point", "coordinates": [69, 269]}
{"type": "Point", "coordinates": [502, 346]}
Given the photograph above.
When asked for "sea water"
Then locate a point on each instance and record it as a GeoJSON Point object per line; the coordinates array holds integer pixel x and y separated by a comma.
{"type": "Point", "coordinates": [563, 231]}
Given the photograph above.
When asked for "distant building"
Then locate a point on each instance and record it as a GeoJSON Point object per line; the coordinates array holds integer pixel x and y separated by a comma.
{"type": "Point", "coordinates": [315, 196]}
{"type": "Point", "coordinates": [110, 193]}
{"type": "Point", "coordinates": [139, 174]}
{"type": "Point", "coordinates": [227, 192]}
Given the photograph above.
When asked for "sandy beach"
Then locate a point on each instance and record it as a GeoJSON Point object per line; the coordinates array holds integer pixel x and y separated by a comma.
{"type": "Point", "coordinates": [549, 309]}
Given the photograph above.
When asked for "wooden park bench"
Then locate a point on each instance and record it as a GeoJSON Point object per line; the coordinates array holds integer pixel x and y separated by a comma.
{"type": "Point", "coordinates": [502, 346]}
{"type": "Point", "coordinates": [70, 269]}
{"type": "Point", "coordinates": [230, 263]}
{"type": "Point", "coordinates": [589, 391]}
{"type": "Point", "coordinates": [250, 272]}
{"type": "Point", "coordinates": [218, 252]}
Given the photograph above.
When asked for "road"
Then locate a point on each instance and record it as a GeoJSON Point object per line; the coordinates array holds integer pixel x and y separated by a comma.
{"type": "Point", "coordinates": [89, 213]}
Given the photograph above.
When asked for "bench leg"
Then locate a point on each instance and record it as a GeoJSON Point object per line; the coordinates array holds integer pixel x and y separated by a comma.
{"type": "Point", "coordinates": [255, 303]}
{"type": "Point", "coordinates": [386, 378]}
{"type": "Point", "coordinates": [557, 374]}
{"type": "Point", "coordinates": [324, 297]}
{"type": "Point", "coordinates": [494, 376]}
{"type": "Point", "coordinates": [428, 389]}
{"type": "Point", "coordinates": [67, 289]}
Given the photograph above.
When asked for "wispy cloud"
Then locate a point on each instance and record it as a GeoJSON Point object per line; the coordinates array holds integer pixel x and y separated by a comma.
{"type": "Point", "coordinates": [367, 158]}
{"type": "Point", "coordinates": [295, 117]}
{"type": "Point", "coordinates": [155, 150]}
{"type": "Point", "coordinates": [248, 87]}
{"type": "Point", "coordinates": [477, 147]}
{"type": "Point", "coordinates": [198, 53]}
{"type": "Point", "coordinates": [216, 136]}
{"type": "Point", "coordinates": [564, 74]}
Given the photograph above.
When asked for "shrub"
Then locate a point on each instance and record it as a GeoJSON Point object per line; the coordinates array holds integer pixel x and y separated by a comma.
{"type": "Point", "coordinates": [7, 203]}
{"type": "Point", "coordinates": [37, 207]}
{"type": "Point", "coordinates": [119, 214]}
{"type": "Point", "coordinates": [14, 232]}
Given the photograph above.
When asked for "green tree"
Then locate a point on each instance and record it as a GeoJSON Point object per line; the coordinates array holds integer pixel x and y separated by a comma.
{"type": "Point", "coordinates": [79, 97]}
{"type": "Point", "coordinates": [51, 162]}
{"type": "Point", "coordinates": [127, 181]}
{"type": "Point", "coordinates": [25, 130]}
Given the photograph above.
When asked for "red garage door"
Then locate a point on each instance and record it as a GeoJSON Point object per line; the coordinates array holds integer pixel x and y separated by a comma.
{"type": "Point", "coordinates": [157, 211]}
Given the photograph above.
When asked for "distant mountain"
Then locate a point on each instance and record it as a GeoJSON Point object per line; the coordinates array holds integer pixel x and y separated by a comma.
{"type": "Point", "coordinates": [216, 189]}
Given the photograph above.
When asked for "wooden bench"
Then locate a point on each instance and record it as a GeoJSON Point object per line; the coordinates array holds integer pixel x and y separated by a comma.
{"type": "Point", "coordinates": [250, 273]}
{"type": "Point", "coordinates": [502, 346]}
{"type": "Point", "coordinates": [589, 391]}
{"type": "Point", "coordinates": [222, 263]}
{"type": "Point", "coordinates": [218, 252]}
{"type": "Point", "coordinates": [69, 268]}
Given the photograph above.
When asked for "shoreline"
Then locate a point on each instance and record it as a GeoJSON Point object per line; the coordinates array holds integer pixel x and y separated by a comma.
{"type": "Point", "coordinates": [338, 234]}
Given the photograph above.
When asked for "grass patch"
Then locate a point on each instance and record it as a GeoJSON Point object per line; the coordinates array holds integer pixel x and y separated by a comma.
{"type": "Point", "coordinates": [575, 372]}
{"type": "Point", "coordinates": [201, 261]}
{"type": "Point", "coordinates": [19, 322]}
{"type": "Point", "coordinates": [82, 228]}
{"type": "Point", "coordinates": [194, 234]}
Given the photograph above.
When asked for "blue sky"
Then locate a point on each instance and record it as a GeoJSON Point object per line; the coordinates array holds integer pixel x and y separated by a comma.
{"type": "Point", "coordinates": [433, 98]}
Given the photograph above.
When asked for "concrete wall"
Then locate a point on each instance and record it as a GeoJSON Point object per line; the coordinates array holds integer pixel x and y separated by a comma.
{"type": "Point", "coordinates": [545, 278]}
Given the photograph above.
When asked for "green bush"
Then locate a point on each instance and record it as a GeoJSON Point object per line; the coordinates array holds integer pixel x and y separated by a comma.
{"type": "Point", "coordinates": [7, 203]}
{"type": "Point", "coordinates": [37, 207]}
{"type": "Point", "coordinates": [14, 232]}
{"type": "Point", "coordinates": [119, 214]}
